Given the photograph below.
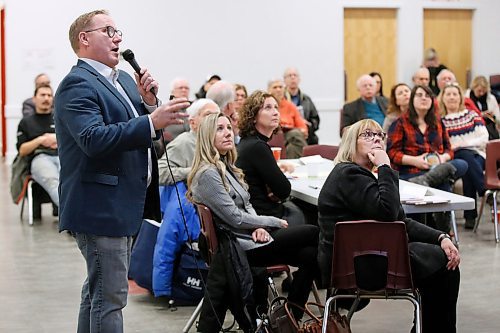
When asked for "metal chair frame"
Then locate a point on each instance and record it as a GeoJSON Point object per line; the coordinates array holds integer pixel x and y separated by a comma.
{"type": "Point", "coordinates": [357, 238]}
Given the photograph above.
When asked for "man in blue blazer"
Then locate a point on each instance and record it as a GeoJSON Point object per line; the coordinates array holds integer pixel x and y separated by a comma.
{"type": "Point", "coordinates": [105, 126]}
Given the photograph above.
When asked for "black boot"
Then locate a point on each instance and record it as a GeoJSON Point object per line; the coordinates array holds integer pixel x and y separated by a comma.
{"type": "Point", "coordinates": [436, 176]}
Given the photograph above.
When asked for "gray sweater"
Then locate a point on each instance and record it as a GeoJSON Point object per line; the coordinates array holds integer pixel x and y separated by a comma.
{"type": "Point", "coordinates": [232, 207]}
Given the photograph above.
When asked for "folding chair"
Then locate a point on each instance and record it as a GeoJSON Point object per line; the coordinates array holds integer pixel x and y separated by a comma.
{"type": "Point", "coordinates": [34, 195]}
{"type": "Point", "coordinates": [371, 260]}
{"type": "Point", "coordinates": [491, 182]}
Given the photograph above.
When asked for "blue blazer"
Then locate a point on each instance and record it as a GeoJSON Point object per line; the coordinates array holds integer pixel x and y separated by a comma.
{"type": "Point", "coordinates": [103, 149]}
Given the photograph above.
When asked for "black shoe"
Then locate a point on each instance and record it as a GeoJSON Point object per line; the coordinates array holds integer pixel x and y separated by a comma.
{"type": "Point", "coordinates": [55, 210]}
{"type": "Point", "coordinates": [470, 223]}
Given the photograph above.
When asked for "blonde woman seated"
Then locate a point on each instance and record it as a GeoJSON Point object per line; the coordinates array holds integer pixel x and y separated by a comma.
{"type": "Point", "coordinates": [351, 193]}
{"type": "Point", "coordinates": [217, 183]}
{"type": "Point", "coordinates": [483, 99]}
{"type": "Point", "coordinates": [468, 138]}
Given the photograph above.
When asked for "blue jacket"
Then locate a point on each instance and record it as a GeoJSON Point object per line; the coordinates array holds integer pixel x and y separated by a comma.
{"type": "Point", "coordinates": [103, 149]}
{"type": "Point", "coordinates": [171, 236]}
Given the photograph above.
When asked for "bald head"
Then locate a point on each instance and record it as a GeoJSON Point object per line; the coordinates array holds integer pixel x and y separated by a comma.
{"type": "Point", "coordinates": [422, 77]}
{"type": "Point", "coordinates": [444, 77]}
{"type": "Point", "coordinates": [366, 86]}
{"type": "Point", "coordinates": [222, 93]}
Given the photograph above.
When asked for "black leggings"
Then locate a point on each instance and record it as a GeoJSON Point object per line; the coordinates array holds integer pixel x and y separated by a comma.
{"type": "Point", "coordinates": [296, 246]}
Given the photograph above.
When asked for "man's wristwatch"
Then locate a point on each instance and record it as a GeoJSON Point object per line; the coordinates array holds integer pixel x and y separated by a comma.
{"type": "Point", "coordinates": [443, 236]}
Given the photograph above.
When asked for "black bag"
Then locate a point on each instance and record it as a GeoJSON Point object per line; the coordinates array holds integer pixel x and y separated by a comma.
{"type": "Point", "coordinates": [187, 284]}
{"type": "Point", "coordinates": [141, 258]}
{"type": "Point", "coordinates": [491, 126]}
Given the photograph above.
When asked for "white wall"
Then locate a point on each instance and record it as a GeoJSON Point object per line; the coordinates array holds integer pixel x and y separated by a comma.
{"type": "Point", "coordinates": [243, 41]}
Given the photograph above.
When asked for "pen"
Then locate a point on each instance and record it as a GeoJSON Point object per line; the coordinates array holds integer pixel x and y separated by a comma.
{"type": "Point", "coordinates": [313, 187]}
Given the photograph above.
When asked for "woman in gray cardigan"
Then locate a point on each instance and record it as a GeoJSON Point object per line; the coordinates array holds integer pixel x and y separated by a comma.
{"type": "Point", "coordinates": [217, 183]}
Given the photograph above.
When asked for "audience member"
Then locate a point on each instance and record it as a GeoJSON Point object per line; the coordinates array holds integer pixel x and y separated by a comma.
{"type": "Point", "coordinates": [468, 137]}
{"type": "Point", "coordinates": [269, 188]}
{"type": "Point", "coordinates": [368, 105]}
{"type": "Point", "coordinates": [293, 125]}
{"type": "Point", "coordinates": [29, 103]}
{"type": "Point", "coordinates": [480, 94]}
{"type": "Point", "coordinates": [241, 95]}
{"type": "Point", "coordinates": [418, 141]}
{"type": "Point", "coordinates": [180, 220]}
{"type": "Point", "coordinates": [202, 93]}
{"type": "Point", "coordinates": [379, 85]}
{"type": "Point", "coordinates": [180, 152]}
{"type": "Point", "coordinates": [398, 104]}
{"type": "Point", "coordinates": [303, 102]}
{"type": "Point", "coordinates": [223, 94]}
{"type": "Point", "coordinates": [36, 139]}
{"type": "Point", "coordinates": [446, 77]}
{"type": "Point", "coordinates": [179, 88]}
{"type": "Point", "coordinates": [421, 77]}
{"type": "Point", "coordinates": [433, 257]}
{"type": "Point", "coordinates": [217, 183]}
{"type": "Point", "coordinates": [432, 63]}
{"type": "Point", "coordinates": [105, 125]}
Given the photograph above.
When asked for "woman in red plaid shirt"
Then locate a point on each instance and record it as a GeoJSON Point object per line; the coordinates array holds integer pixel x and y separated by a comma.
{"type": "Point", "coordinates": [418, 140]}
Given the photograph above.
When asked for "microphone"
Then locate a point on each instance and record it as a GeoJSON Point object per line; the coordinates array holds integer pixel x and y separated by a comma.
{"type": "Point", "coordinates": [129, 56]}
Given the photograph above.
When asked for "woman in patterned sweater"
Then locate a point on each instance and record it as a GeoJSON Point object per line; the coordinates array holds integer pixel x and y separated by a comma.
{"type": "Point", "coordinates": [468, 138]}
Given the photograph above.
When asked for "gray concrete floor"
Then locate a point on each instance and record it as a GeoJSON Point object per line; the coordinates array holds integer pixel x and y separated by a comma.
{"type": "Point", "coordinates": [41, 272]}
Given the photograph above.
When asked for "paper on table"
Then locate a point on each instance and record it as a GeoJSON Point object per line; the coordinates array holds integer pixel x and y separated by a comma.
{"type": "Point", "coordinates": [407, 193]}
{"type": "Point", "coordinates": [419, 195]}
{"type": "Point", "coordinates": [311, 159]}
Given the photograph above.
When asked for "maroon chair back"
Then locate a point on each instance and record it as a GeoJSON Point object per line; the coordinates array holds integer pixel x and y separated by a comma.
{"type": "Point", "coordinates": [357, 238]}
{"type": "Point", "coordinates": [278, 140]}
{"type": "Point", "coordinates": [208, 229]}
{"type": "Point", "coordinates": [325, 151]}
{"type": "Point", "coordinates": [491, 180]}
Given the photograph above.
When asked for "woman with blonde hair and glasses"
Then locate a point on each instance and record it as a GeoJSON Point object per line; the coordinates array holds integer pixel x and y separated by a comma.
{"type": "Point", "coordinates": [468, 137]}
{"type": "Point", "coordinates": [433, 257]}
{"type": "Point", "coordinates": [217, 183]}
{"type": "Point", "coordinates": [480, 94]}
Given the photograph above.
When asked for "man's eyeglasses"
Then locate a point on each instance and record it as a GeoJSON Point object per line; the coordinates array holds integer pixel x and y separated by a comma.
{"type": "Point", "coordinates": [370, 136]}
{"type": "Point", "coordinates": [109, 30]}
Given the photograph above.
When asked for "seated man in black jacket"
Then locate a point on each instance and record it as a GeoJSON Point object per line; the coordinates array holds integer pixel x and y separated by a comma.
{"type": "Point", "coordinates": [36, 139]}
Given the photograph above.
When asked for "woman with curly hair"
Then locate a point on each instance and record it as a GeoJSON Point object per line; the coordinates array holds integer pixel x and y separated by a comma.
{"type": "Point", "coordinates": [268, 186]}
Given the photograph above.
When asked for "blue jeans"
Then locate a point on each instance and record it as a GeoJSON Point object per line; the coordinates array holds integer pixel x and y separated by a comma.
{"type": "Point", "coordinates": [45, 171]}
{"type": "Point", "coordinates": [104, 292]}
{"type": "Point", "coordinates": [473, 180]}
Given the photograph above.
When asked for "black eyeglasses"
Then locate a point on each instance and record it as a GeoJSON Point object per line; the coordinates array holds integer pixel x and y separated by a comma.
{"type": "Point", "coordinates": [370, 136]}
{"type": "Point", "coordinates": [109, 30]}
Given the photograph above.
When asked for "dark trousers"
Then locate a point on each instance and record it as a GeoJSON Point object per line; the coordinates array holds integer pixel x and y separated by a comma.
{"type": "Point", "coordinates": [439, 301]}
{"type": "Point", "coordinates": [298, 247]}
{"type": "Point", "coordinates": [473, 180]}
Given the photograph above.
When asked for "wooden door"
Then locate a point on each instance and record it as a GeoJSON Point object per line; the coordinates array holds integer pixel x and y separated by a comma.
{"type": "Point", "coordinates": [370, 39]}
{"type": "Point", "coordinates": [450, 33]}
